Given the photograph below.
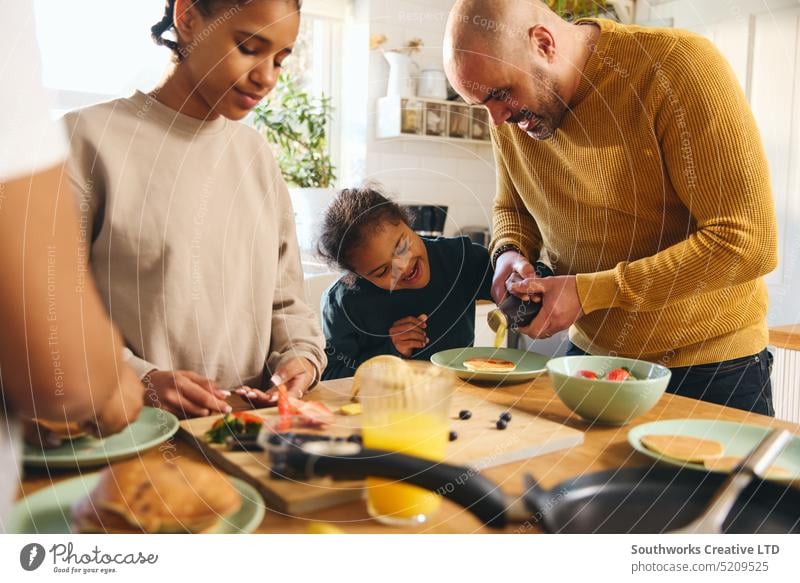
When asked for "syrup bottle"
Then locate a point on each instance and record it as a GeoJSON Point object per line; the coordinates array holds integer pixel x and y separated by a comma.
{"type": "Point", "coordinates": [513, 313]}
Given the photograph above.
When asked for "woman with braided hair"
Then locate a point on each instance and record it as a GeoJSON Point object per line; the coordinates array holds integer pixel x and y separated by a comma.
{"type": "Point", "coordinates": [190, 224]}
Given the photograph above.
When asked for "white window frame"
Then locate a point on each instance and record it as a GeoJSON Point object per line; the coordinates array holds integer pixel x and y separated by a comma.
{"type": "Point", "coordinates": [329, 73]}
{"type": "Point", "coordinates": [334, 9]}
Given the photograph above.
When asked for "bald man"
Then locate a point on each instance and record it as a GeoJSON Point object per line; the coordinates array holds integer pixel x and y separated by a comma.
{"type": "Point", "coordinates": [630, 156]}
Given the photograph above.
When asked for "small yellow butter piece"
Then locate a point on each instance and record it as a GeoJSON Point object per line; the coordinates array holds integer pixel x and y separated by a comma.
{"type": "Point", "coordinates": [351, 409]}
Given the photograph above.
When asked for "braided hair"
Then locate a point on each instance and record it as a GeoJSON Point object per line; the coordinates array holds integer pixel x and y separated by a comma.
{"type": "Point", "coordinates": [167, 23]}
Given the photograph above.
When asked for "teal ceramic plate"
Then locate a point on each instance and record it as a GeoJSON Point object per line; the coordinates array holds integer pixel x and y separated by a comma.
{"type": "Point", "coordinates": [48, 511]}
{"type": "Point", "coordinates": [152, 428]}
{"type": "Point", "coordinates": [529, 364]}
{"type": "Point", "coordinates": [736, 439]}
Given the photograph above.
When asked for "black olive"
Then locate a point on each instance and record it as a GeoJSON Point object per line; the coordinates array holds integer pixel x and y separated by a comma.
{"type": "Point", "coordinates": [506, 416]}
{"type": "Point", "coordinates": [452, 436]}
{"type": "Point", "coordinates": [501, 424]}
{"type": "Point", "coordinates": [355, 438]}
{"type": "Point", "coordinates": [464, 415]}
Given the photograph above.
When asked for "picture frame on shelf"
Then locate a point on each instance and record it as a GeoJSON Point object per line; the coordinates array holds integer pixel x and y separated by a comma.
{"type": "Point", "coordinates": [480, 125]}
{"type": "Point", "coordinates": [458, 122]}
{"type": "Point", "coordinates": [435, 119]}
{"type": "Point", "coordinates": [412, 117]}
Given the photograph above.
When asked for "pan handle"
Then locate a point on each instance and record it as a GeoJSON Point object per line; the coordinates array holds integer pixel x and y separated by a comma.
{"type": "Point", "coordinates": [537, 500]}
{"type": "Point", "coordinates": [464, 486]}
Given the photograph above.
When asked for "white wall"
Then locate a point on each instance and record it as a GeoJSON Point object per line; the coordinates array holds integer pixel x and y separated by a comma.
{"type": "Point", "coordinates": [460, 176]}
{"type": "Point", "coordinates": [761, 39]}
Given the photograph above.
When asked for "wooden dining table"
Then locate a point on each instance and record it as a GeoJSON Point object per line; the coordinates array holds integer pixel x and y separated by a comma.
{"type": "Point", "coordinates": [604, 448]}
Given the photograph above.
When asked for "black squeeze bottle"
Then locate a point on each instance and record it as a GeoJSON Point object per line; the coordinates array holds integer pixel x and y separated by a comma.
{"type": "Point", "coordinates": [514, 313]}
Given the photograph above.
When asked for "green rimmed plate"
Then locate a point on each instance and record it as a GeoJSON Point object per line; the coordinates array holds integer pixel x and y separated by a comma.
{"type": "Point", "coordinates": [529, 364]}
{"type": "Point", "coordinates": [736, 439]}
{"type": "Point", "coordinates": [48, 511]}
{"type": "Point", "coordinates": [152, 428]}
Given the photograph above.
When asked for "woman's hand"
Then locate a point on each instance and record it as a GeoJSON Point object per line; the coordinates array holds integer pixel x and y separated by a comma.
{"type": "Point", "coordinates": [296, 373]}
{"type": "Point", "coordinates": [409, 334]}
{"type": "Point", "coordinates": [185, 393]}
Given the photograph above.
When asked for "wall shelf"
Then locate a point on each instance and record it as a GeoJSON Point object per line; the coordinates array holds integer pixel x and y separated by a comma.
{"type": "Point", "coordinates": [432, 119]}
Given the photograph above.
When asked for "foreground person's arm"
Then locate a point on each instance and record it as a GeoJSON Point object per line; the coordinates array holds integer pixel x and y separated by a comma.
{"type": "Point", "coordinates": [59, 353]}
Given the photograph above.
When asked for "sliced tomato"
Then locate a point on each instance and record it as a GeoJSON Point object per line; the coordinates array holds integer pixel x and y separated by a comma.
{"type": "Point", "coordinates": [246, 418]}
{"type": "Point", "coordinates": [284, 409]}
{"type": "Point", "coordinates": [312, 413]}
{"type": "Point", "coordinates": [586, 374]}
{"type": "Point", "coordinates": [618, 374]}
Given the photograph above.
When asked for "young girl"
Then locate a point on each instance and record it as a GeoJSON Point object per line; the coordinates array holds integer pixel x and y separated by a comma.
{"type": "Point", "coordinates": [403, 294]}
{"type": "Point", "coordinates": [190, 224]}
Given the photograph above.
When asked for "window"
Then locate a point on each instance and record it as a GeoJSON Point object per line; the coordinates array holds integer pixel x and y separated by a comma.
{"type": "Point", "coordinates": [96, 50]}
{"type": "Point", "coordinates": [316, 64]}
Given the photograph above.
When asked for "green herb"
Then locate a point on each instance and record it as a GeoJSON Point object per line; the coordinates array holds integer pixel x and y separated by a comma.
{"type": "Point", "coordinates": [230, 425]}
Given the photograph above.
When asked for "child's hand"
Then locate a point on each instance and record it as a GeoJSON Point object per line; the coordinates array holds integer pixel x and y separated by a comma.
{"type": "Point", "coordinates": [185, 393]}
{"type": "Point", "coordinates": [296, 373]}
{"type": "Point", "coordinates": [409, 334]}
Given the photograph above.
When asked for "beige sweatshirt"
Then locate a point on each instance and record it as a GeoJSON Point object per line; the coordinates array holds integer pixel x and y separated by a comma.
{"type": "Point", "coordinates": [191, 238]}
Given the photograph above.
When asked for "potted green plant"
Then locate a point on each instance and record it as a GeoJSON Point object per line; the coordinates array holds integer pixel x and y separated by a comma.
{"type": "Point", "coordinates": [297, 123]}
{"type": "Point", "coordinates": [578, 8]}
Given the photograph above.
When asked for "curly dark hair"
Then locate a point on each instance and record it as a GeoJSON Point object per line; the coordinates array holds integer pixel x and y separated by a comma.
{"type": "Point", "coordinates": [207, 7]}
{"type": "Point", "coordinates": [351, 218]}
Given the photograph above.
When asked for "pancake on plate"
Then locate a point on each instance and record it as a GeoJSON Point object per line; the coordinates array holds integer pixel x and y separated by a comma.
{"type": "Point", "coordinates": [480, 364]}
{"type": "Point", "coordinates": [683, 447]}
{"type": "Point", "coordinates": [51, 434]}
{"type": "Point", "coordinates": [155, 495]}
{"type": "Point", "coordinates": [729, 462]}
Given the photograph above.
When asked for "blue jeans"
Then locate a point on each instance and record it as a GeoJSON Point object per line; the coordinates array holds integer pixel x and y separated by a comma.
{"type": "Point", "coordinates": [741, 383]}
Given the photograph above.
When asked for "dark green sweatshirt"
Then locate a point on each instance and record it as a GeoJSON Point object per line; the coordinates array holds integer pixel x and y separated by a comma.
{"type": "Point", "coordinates": [356, 320]}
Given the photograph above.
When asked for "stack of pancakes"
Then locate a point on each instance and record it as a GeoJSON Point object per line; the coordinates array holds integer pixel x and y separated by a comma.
{"type": "Point", "coordinates": [156, 495]}
{"type": "Point", "coordinates": [709, 452]}
{"type": "Point", "coordinates": [51, 434]}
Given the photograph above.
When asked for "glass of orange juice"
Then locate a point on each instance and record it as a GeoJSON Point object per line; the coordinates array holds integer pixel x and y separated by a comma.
{"type": "Point", "coordinates": [405, 411]}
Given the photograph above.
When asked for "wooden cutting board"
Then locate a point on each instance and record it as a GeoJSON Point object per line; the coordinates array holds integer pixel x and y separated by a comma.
{"type": "Point", "coordinates": [479, 445]}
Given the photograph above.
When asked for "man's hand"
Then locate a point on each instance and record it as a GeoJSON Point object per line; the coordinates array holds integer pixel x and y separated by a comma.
{"type": "Point", "coordinates": [409, 334]}
{"type": "Point", "coordinates": [122, 408]}
{"type": "Point", "coordinates": [508, 264]}
{"type": "Point", "coordinates": [561, 306]}
{"type": "Point", "coordinates": [296, 373]}
{"type": "Point", "coordinates": [185, 393]}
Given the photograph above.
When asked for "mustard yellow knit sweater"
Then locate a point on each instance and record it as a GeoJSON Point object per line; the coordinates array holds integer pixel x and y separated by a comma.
{"type": "Point", "coordinates": [655, 191]}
